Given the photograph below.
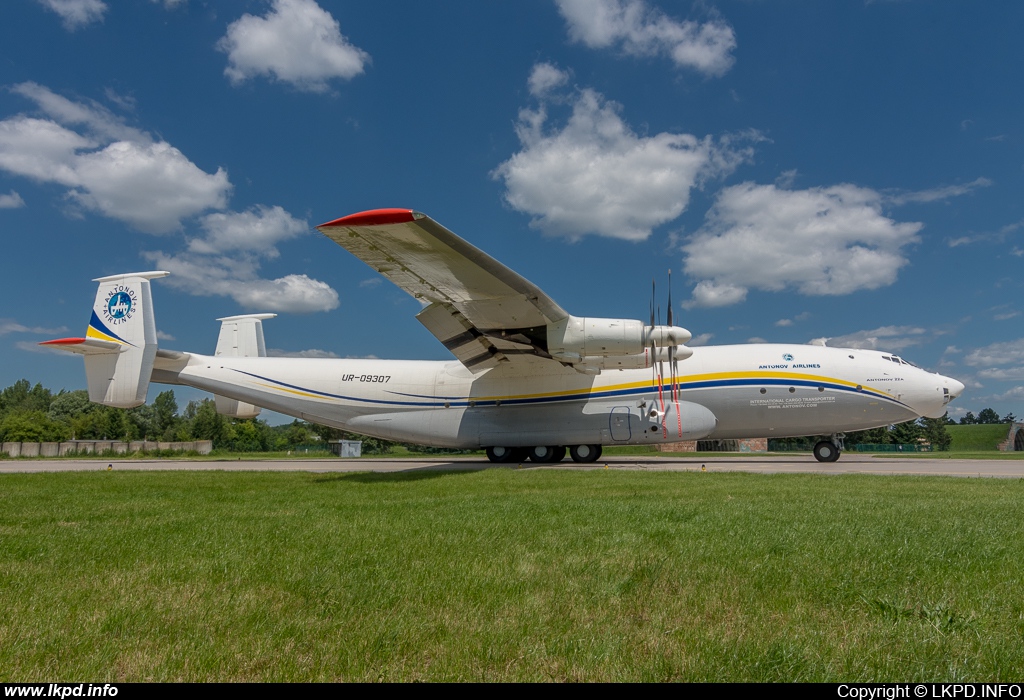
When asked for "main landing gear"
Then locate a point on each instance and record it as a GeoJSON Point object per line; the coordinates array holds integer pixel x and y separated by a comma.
{"type": "Point", "coordinates": [829, 450]}
{"type": "Point", "coordinates": [503, 455]}
{"type": "Point", "coordinates": [544, 454]}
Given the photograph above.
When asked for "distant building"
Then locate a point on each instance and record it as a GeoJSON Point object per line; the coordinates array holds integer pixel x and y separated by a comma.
{"type": "Point", "coordinates": [346, 448]}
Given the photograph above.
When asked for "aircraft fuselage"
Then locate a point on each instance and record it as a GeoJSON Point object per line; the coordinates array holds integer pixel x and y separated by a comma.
{"type": "Point", "coordinates": [737, 391]}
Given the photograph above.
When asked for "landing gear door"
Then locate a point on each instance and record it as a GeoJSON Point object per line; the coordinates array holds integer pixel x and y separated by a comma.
{"type": "Point", "coordinates": [618, 423]}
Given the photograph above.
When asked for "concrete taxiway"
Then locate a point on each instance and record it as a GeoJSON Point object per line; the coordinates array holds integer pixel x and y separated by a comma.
{"type": "Point", "coordinates": [848, 464]}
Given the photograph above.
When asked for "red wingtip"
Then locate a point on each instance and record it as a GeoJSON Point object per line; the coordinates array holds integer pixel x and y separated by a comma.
{"type": "Point", "coordinates": [63, 341]}
{"type": "Point", "coordinates": [375, 217]}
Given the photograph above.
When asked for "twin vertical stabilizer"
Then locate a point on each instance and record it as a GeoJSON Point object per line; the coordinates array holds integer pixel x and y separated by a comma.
{"type": "Point", "coordinates": [120, 345]}
{"type": "Point", "coordinates": [123, 343]}
{"type": "Point", "coordinates": [240, 336]}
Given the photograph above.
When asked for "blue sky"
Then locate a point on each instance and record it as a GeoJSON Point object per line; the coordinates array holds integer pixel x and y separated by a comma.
{"type": "Point", "coordinates": [846, 170]}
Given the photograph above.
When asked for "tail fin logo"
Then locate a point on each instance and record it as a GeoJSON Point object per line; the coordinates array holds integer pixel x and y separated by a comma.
{"type": "Point", "coordinates": [120, 305]}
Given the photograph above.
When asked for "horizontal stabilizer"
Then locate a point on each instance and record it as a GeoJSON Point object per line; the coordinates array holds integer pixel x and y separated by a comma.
{"type": "Point", "coordinates": [84, 346]}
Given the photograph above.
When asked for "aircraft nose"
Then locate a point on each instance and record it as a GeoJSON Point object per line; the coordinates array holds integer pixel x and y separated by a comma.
{"type": "Point", "coordinates": [955, 388]}
{"type": "Point", "coordinates": [938, 396]}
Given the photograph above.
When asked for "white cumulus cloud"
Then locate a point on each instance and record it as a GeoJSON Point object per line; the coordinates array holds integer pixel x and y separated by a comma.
{"type": "Point", "coordinates": [938, 194]}
{"type": "Point", "coordinates": [545, 77]}
{"type": "Point", "coordinates": [885, 338]}
{"type": "Point", "coordinates": [258, 229]}
{"type": "Point", "coordinates": [151, 187]}
{"type": "Point", "coordinates": [96, 119]}
{"type": "Point", "coordinates": [1014, 394]}
{"type": "Point", "coordinates": [1006, 353]}
{"type": "Point", "coordinates": [596, 176]}
{"type": "Point", "coordinates": [297, 42]}
{"type": "Point", "coordinates": [76, 13]}
{"type": "Point", "coordinates": [312, 352]}
{"type": "Point", "coordinates": [820, 241]}
{"type": "Point", "coordinates": [12, 200]}
{"type": "Point", "coordinates": [1003, 374]}
{"type": "Point", "coordinates": [8, 325]}
{"type": "Point", "coordinates": [126, 174]}
{"type": "Point", "coordinates": [238, 278]}
{"type": "Point", "coordinates": [641, 30]}
{"type": "Point", "coordinates": [711, 293]}
{"type": "Point", "coordinates": [107, 166]}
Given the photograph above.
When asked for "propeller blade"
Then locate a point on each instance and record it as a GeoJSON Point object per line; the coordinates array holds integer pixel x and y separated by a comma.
{"type": "Point", "coordinates": [669, 319]}
{"type": "Point", "coordinates": [671, 347]}
{"type": "Point", "coordinates": [654, 369]}
{"type": "Point", "coordinates": [661, 377]}
{"type": "Point", "coordinates": [652, 302]}
{"type": "Point", "coordinates": [672, 370]}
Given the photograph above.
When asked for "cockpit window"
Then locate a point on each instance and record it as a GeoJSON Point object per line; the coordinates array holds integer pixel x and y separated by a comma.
{"type": "Point", "coordinates": [898, 360]}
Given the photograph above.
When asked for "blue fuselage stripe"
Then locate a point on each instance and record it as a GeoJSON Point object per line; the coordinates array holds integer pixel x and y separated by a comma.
{"type": "Point", "coordinates": [438, 402]}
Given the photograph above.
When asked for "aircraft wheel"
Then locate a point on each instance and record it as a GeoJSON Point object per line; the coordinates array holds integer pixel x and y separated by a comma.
{"type": "Point", "coordinates": [826, 451]}
{"type": "Point", "coordinates": [546, 454]}
{"type": "Point", "coordinates": [585, 453]}
{"type": "Point", "coordinates": [540, 453]}
{"type": "Point", "coordinates": [501, 455]}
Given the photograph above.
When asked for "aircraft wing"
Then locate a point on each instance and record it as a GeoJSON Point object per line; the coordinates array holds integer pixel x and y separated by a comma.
{"type": "Point", "coordinates": [479, 309]}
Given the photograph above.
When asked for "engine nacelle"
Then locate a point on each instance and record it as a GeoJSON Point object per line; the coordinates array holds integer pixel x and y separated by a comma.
{"type": "Point", "coordinates": [574, 338]}
{"type": "Point", "coordinates": [642, 361]}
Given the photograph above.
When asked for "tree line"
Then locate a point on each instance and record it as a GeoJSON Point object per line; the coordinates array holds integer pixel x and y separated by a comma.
{"type": "Point", "coordinates": [930, 430]}
{"type": "Point", "coordinates": [986, 416]}
{"type": "Point", "coordinates": [923, 430]}
{"type": "Point", "coordinates": [36, 414]}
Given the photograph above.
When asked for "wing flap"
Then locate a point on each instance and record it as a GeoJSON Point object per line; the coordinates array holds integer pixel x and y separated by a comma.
{"type": "Point", "coordinates": [473, 349]}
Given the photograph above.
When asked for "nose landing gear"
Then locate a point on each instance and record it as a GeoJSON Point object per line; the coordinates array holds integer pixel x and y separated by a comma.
{"type": "Point", "coordinates": [585, 453]}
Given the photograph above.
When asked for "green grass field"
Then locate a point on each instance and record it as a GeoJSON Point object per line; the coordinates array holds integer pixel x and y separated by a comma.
{"type": "Point", "coordinates": [977, 438]}
{"type": "Point", "coordinates": [507, 574]}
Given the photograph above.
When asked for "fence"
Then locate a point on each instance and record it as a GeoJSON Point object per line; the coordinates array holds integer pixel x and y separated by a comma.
{"type": "Point", "coordinates": [877, 447]}
{"type": "Point", "coordinates": [88, 447]}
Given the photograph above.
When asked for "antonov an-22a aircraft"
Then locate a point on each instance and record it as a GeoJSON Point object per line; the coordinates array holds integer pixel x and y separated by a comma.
{"type": "Point", "coordinates": [529, 380]}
